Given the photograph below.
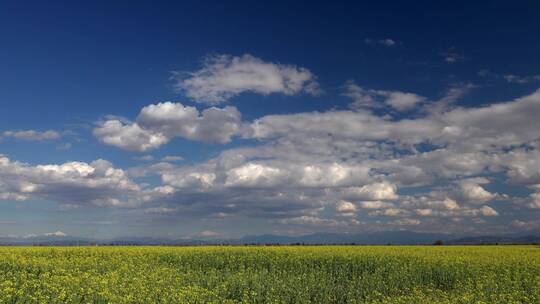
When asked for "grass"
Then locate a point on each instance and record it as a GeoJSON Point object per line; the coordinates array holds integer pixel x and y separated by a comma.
{"type": "Point", "coordinates": [311, 274]}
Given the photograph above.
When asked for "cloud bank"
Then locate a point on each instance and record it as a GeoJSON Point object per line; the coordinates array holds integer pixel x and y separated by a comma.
{"type": "Point", "coordinates": [348, 168]}
{"type": "Point", "coordinates": [336, 169]}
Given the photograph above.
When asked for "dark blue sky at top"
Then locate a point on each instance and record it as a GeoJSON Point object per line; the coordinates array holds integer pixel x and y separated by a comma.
{"type": "Point", "coordinates": [66, 64]}
{"type": "Point", "coordinates": [95, 58]}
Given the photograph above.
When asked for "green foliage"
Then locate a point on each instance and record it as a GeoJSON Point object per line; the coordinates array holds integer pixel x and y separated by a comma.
{"type": "Point", "coordinates": [315, 274]}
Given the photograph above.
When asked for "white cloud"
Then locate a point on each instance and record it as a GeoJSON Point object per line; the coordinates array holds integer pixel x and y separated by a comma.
{"type": "Point", "coordinates": [31, 135]}
{"type": "Point", "coordinates": [56, 234]}
{"type": "Point", "coordinates": [454, 93]}
{"type": "Point", "coordinates": [96, 183]}
{"type": "Point", "coordinates": [442, 204]}
{"type": "Point", "coordinates": [488, 211]}
{"type": "Point", "coordinates": [144, 158]}
{"type": "Point", "coordinates": [367, 98]}
{"type": "Point", "coordinates": [523, 167]}
{"type": "Point", "coordinates": [172, 158]}
{"type": "Point", "coordinates": [331, 175]}
{"type": "Point", "coordinates": [424, 212]}
{"type": "Point", "coordinates": [306, 161]}
{"type": "Point", "coordinates": [521, 79]}
{"type": "Point", "coordinates": [150, 169]}
{"type": "Point", "coordinates": [532, 224]}
{"type": "Point", "coordinates": [453, 56]}
{"type": "Point", "coordinates": [208, 234]}
{"type": "Point", "coordinates": [534, 202]}
{"type": "Point", "coordinates": [255, 175]}
{"type": "Point", "coordinates": [196, 180]}
{"type": "Point", "coordinates": [128, 136]}
{"type": "Point", "coordinates": [402, 101]}
{"type": "Point", "coordinates": [385, 41]}
{"type": "Point", "coordinates": [406, 222]}
{"type": "Point", "coordinates": [174, 119]}
{"type": "Point", "coordinates": [345, 207]}
{"type": "Point", "coordinates": [310, 158]}
{"type": "Point", "coordinates": [361, 97]}
{"type": "Point", "coordinates": [449, 204]}
{"type": "Point", "coordinates": [157, 124]}
{"type": "Point", "coordinates": [225, 76]}
{"type": "Point", "coordinates": [317, 168]}
{"type": "Point", "coordinates": [392, 212]}
{"type": "Point", "coordinates": [375, 205]}
{"type": "Point", "coordinates": [64, 146]}
{"type": "Point", "coordinates": [315, 221]}
{"type": "Point", "coordinates": [473, 192]}
{"type": "Point", "coordinates": [373, 192]}
{"type": "Point", "coordinates": [340, 124]}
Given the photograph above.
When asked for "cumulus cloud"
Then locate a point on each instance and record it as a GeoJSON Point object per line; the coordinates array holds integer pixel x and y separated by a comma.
{"type": "Point", "coordinates": [224, 76]}
{"type": "Point", "coordinates": [467, 142]}
{"type": "Point", "coordinates": [374, 192]}
{"type": "Point", "coordinates": [174, 119]}
{"type": "Point", "coordinates": [488, 211]}
{"type": "Point", "coordinates": [375, 205]}
{"type": "Point", "coordinates": [534, 202]}
{"type": "Point", "coordinates": [95, 183]}
{"type": "Point", "coordinates": [307, 160]}
{"type": "Point", "coordinates": [471, 191]}
{"type": "Point", "coordinates": [255, 175]}
{"type": "Point", "coordinates": [336, 169]}
{"type": "Point", "coordinates": [31, 135]}
{"type": "Point", "coordinates": [128, 136]}
{"type": "Point", "coordinates": [295, 172]}
{"type": "Point", "coordinates": [345, 207]}
{"type": "Point", "coordinates": [158, 123]}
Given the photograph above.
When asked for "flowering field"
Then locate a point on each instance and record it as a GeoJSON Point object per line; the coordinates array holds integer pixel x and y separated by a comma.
{"type": "Point", "coordinates": [318, 274]}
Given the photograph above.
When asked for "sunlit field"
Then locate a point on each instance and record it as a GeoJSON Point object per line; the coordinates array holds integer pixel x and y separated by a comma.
{"type": "Point", "coordinates": [311, 274]}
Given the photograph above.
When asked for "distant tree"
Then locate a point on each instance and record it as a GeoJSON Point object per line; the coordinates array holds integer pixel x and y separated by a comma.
{"type": "Point", "coordinates": [438, 242]}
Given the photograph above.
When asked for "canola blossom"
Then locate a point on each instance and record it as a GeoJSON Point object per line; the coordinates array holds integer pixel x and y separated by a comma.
{"type": "Point", "coordinates": [281, 274]}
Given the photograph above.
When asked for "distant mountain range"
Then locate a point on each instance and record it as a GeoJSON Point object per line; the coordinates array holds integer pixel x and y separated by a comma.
{"type": "Point", "coordinates": [526, 239]}
{"type": "Point", "coordinates": [375, 238]}
{"type": "Point", "coordinates": [371, 238]}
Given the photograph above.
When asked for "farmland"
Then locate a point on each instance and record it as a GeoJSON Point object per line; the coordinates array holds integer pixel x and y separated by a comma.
{"type": "Point", "coordinates": [287, 274]}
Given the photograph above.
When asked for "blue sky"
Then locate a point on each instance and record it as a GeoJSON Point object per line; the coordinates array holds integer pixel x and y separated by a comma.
{"type": "Point", "coordinates": [208, 119]}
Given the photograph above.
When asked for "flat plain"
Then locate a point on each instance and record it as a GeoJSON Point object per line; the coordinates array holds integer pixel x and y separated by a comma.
{"type": "Point", "coordinates": [271, 274]}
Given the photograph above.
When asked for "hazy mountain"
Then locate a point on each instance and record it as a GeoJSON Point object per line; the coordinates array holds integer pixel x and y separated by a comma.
{"type": "Point", "coordinates": [46, 240]}
{"type": "Point", "coordinates": [527, 239]}
{"type": "Point", "coordinates": [376, 238]}
{"type": "Point", "coordinates": [370, 238]}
